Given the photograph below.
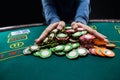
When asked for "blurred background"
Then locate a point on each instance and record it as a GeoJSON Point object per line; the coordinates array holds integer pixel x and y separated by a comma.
{"type": "Point", "coordinates": [18, 12]}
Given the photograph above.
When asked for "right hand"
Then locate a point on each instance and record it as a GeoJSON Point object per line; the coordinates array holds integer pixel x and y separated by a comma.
{"type": "Point", "coordinates": [59, 25]}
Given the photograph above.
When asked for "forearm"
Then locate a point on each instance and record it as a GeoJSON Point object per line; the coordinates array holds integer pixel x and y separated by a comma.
{"type": "Point", "coordinates": [83, 11]}
{"type": "Point", "coordinates": [50, 11]}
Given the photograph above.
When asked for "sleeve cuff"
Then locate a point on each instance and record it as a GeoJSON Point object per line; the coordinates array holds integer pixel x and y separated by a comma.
{"type": "Point", "coordinates": [53, 20]}
{"type": "Point", "coordinates": [84, 21]}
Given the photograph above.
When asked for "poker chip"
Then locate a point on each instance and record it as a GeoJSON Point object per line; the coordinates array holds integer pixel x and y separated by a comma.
{"type": "Point", "coordinates": [62, 35]}
{"type": "Point", "coordinates": [82, 51]}
{"type": "Point", "coordinates": [110, 45]}
{"type": "Point", "coordinates": [54, 31]}
{"type": "Point", "coordinates": [45, 53]}
{"type": "Point", "coordinates": [92, 51]}
{"type": "Point", "coordinates": [72, 54]}
{"type": "Point", "coordinates": [67, 48]}
{"type": "Point", "coordinates": [99, 52]}
{"type": "Point", "coordinates": [58, 48]}
{"type": "Point", "coordinates": [68, 27]}
{"type": "Point", "coordinates": [36, 53]}
{"type": "Point", "coordinates": [108, 52]}
{"type": "Point", "coordinates": [80, 29]}
{"type": "Point", "coordinates": [27, 51]}
{"type": "Point", "coordinates": [75, 45]}
{"type": "Point", "coordinates": [73, 40]}
{"type": "Point", "coordinates": [76, 34]}
{"type": "Point", "coordinates": [99, 42]}
{"type": "Point", "coordinates": [34, 48]}
{"type": "Point", "coordinates": [83, 32]}
{"type": "Point", "coordinates": [60, 53]}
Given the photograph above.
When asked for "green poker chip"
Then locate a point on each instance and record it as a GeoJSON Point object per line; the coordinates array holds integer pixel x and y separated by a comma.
{"type": "Point", "coordinates": [59, 48]}
{"type": "Point", "coordinates": [60, 53]}
{"type": "Point", "coordinates": [62, 35]}
{"type": "Point", "coordinates": [68, 27]}
{"type": "Point", "coordinates": [27, 51]}
{"type": "Point", "coordinates": [82, 51]}
{"type": "Point", "coordinates": [67, 47]}
{"type": "Point", "coordinates": [83, 32]}
{"type": "Point", "coordinates": [36, 53]}
{"type": "Point", "coordinates": [75, 45]}
{"type": "Point", "coordinates": [77, 34]}
{"type": "Point", "coordinates": [45, 53]}
{"type": "Point", "coordinates": [72, 54]}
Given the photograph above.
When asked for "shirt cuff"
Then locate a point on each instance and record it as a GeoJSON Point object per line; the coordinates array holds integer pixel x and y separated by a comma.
{"type": "Point", "coordinates": [79, 19]}
{"type": "Point", "coordinates": [53, 20]}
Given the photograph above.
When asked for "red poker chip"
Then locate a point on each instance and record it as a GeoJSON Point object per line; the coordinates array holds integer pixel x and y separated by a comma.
{"type": "Point", "coordinates": [92, 51]}
{"type": "Point", "coordinates": [80, 29]}
{"type": "Point", "coordinates": [70, 31]}
{"type": "Point", "coordinates": [61, 39]}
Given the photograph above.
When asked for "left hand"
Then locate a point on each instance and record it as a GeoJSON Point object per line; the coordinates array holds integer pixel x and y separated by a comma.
{"type": "Point", "coordinates": [76, 25]}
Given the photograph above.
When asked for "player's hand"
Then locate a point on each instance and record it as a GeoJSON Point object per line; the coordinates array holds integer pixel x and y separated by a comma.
{"type": "Point", "coordinates": [59, 25]}
{"type": "Point", "coordinates": [90, 30]}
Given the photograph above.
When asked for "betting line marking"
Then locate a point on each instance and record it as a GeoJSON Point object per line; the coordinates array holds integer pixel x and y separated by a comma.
{"type": "Point", "coordinates": [12, 50]}
{"type": "Point", "coordinates": [11, 57]}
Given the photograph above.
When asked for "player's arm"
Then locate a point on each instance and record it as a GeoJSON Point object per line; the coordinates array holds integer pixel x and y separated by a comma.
{"type": "Point", "coordinates": [82, 17]}
{"type": "Point", "coordinates": [50, 12]}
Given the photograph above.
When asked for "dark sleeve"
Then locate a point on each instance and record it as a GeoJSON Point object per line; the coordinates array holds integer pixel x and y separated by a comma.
{"type": "Point", "coordinates": [49, 10]}
{"type": "Point", "coordinates": [83, 11]}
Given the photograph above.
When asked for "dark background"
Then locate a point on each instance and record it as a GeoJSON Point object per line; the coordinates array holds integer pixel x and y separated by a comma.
{"type": "Point", "coordinates": [18, 12]}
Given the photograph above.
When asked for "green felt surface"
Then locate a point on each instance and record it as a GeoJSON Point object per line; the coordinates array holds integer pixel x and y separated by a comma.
{"type": "Point", "coordinates": [16, 66]}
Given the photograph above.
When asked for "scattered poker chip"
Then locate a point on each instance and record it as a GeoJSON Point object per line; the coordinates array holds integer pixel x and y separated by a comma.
{"type": "Point", "coordinates": [45, 53]}
{"type": "Point", "coordinates": [76, 34]}
{"type": "Point", "coordinates": [36, 53]}
{"type": "Point", "coordinates": [80, 29]}
{"type": "Point", "coordinates": [108, 52]}
{"type": "Point", "coordinates": [75, 45]}
{"type": "Point", "coordinates": [83, 32]}
{"type": "Point", "coordinates": [68, 27]}
{"type": "Point", "coordinates": [27, 51]}
{"type": "Point", "coordinates": [54, 31]}
{"type": "Point", "coordinates": [60, 53]}
{"type": "Point", "coordinates": [62, 35]}
{"type": "Point", "coordinates": [52, 35]}
{"type": "Point", "coordinates": [82, 51]}
{"type": "Point", "coordinates": [110, 45]}
{"type": "Point", "coordinates": [67, 48]}
{"type": "Point", "coordinates": [92, 51]}
{"type": "Point", "coordinates": [59, 48]}
{"type": "Point", "coordinates": [73, 40]}
{"type": "Point", "coordinates": [99, 52]}
{"type": "Point", "coordinates": [99, 42]}
{"type": "Point", "coordinates": [46, 40]}
{"type": "Point", "coordinates": [72, 54]}
{"type": "Point", "coordinates": [34, 48]}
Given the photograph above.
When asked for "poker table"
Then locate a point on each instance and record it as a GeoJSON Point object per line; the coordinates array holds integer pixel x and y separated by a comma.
{"type": "Point", "coordinates": [14, 65]}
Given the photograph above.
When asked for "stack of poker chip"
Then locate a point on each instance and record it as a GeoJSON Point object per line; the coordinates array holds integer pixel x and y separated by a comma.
{"type": "Point", "coordinates": [72, 44]}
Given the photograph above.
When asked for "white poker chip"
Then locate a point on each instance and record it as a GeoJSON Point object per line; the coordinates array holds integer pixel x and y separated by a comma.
{"type": "Point", "coordinates": [27, 51]}
{"type": "Point", "coordinates": [82, 51]}
{"type": "Point", "coordinates": [34, 48]}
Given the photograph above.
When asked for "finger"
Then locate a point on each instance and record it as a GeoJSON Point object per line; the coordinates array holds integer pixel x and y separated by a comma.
{"type": "Point", "coordinates": [46, 32]}
{"type": "Point", "coordinates": [74, 25]}
{"type": "Point", "coordinates": [61, 25]}
{"type": "Point", "coordinates": [94, 32]}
